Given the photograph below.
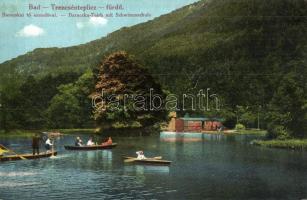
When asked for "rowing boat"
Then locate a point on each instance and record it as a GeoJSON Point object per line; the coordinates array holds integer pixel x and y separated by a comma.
{"type": "Point", "coordinates": [148, 161]}
{"type": "Point", "coordinates": [27, 156]}
{"type": "Point", "coordinates": [88, 148]}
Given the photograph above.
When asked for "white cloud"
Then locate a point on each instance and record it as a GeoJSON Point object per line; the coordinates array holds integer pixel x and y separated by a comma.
{"type": "Point", "coordinates": [98, 21]}
{"type": "Point", "coordinates": [93, 21]}
{"type": "Point", "coordinates": [80, 25]}
{"type": "Point", "coordinates": [30, 31]}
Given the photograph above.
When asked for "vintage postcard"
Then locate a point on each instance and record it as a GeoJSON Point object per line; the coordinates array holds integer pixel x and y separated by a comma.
{"type": "Point", "coordinates": [153, 99]}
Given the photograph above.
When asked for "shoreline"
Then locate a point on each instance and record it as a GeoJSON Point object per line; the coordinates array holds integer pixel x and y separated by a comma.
{"type": "Point", "coordinates": [30, 133]}
{"type": "Point", "coordinates": [88, 131]}
{"type": "Point", "coordinates": [226, 132]}
{"type": "Point", "coordinates": [291, 144]}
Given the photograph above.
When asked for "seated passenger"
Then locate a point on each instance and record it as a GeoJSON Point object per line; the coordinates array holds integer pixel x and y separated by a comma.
{"type": "Point", "coordinates": [108, 142]}
{"type": "Point", "coordinates": [78, 142]}
{"type": "Point", "coordinates": [90, 142]}
{"type": "Point", "coordinates": [141, 155]}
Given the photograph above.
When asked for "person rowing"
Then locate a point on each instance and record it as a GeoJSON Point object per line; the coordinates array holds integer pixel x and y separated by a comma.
{"type": "Point", "coordinates": [90, 142]}
{"type": "Point", "coordinates": [48, 145]}
{"type": "Point", "coordinates": [78, 142]}
{"type": "Point", "coordinates": [141, 155]}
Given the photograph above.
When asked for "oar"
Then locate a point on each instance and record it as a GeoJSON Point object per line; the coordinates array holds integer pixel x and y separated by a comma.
{"type": "Point", "coordinates": [3, 147]}
{"type": "Point", "coordinates": [52, 155]}
{"type": "Point", "coordinates": [134, 159]}
{"type": "Point", "coordinates": [130, 160]}
{"type": "Point", "coordinates": [52, 150]}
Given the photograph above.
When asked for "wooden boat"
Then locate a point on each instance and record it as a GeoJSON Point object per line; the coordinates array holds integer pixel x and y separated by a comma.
{"type": "Point", "coordinates": [27, 156]}
{"type": "Point", "coordinates": [89, 148]}
{"type": "Point", "coordinates": [149, 161]}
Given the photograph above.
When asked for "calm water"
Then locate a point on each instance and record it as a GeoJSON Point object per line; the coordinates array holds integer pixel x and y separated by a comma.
{"type": "Point", "coordinates": [204, 167]}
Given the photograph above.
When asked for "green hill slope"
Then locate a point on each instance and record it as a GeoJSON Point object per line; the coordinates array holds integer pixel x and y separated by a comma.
{"type": "Point", "coordinates": [136, 39]}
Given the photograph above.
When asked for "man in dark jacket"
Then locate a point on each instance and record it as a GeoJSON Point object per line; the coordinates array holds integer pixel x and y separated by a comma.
{"type": "Point", "coordinates": [35, 144]}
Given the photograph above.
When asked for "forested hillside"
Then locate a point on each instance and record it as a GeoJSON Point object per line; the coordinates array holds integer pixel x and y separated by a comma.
{"type": "Point", "coordinates": [242, 49]}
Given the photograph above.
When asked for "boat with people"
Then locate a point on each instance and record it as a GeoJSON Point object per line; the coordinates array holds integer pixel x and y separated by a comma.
{"type": "Point", "coordinates": [27, 156]}
{"type": "Point", "coordinates": [92, 147]}
{"type": "Point", "coordinates": [149, 161]}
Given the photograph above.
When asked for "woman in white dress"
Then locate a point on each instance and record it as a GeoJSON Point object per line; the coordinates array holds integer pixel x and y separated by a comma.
{"type": "Point", "coordinates": [90, 142]}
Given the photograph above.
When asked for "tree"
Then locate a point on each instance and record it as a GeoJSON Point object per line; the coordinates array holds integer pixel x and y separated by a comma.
{"type": "Point", "coordinates": [71, 107]}
{"type": "Point", "coordinates": [125, 90]}
{"type": "Point", "coordinates": [288, 108]}
{"type": "Point", "coordinates": [27, 107]}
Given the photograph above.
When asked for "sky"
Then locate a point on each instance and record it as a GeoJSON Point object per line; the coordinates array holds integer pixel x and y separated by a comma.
{"type": "Point", "coordinates": [19, 35]}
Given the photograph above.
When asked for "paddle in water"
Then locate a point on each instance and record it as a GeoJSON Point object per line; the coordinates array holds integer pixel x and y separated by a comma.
{"type": "Point", "coordinates": [52, 150]}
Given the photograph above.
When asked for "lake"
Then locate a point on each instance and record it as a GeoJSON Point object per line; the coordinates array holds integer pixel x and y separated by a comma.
{"type": "Point", "coordinates": [204, 167]}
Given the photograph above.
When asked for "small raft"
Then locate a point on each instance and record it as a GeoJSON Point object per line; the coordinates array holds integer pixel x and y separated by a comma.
{"type": "Point", "coordinates": [148, 161]}
{"type": "Point", "coordinates": [90, 148]}
{"type": "Point", "coordinates": [27, 156]}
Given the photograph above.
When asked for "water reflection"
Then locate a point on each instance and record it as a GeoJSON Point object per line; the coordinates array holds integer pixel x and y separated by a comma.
{"type": "Point", "coordinates": [92, 159]}
{"type": "Point", "coordinates": [181, 137]}
{"type": "Point", "coordinates": [9, 184]}
{"type": "Point", "coordinates": [145, 169]}
{"type": "Point", "coordinates": [203, 137]}
{"type": "Point", "coordinates": [14, 174]}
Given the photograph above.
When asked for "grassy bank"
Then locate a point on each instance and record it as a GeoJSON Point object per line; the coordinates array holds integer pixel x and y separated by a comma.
{"type": "Point", "coordinates": [285, 144]}
{"type": "Point", "coordinates": [250, 132]}
{"type": "Point", "coordinates": [246, 132]}
{"type": "Point", "coordinates": [17, 133]}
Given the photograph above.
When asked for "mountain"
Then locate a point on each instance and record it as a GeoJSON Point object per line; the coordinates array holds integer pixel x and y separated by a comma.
{"type": "Point", "coordinates": [44, 61]}
{"type": "Point", "coordinates": [239, 48]}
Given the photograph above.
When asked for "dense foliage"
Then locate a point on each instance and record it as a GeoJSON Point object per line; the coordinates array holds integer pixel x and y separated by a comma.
{"type": "Point", "coordinates": [71, 106]}
{"type": "Point", "coordinates": [288, 108]}
{"type": "Point", "coordinates": [25, 106]}
{"type": "Point", "coordinates": [123, 90]}
{"type": "Point", "coordinates": [250, 52]}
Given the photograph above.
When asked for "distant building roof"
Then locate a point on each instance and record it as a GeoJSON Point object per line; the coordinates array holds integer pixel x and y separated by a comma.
{"type": "Point", "coordinates": [194, 118]}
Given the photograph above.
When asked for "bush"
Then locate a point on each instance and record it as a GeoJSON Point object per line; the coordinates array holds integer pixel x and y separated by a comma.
{"type": "Point", "coordinates": [278, 132]}
{"type": "Point", "coordinates": [240, 127]}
